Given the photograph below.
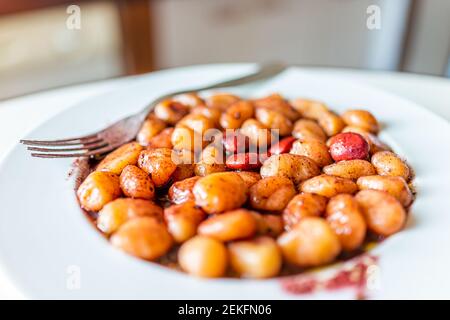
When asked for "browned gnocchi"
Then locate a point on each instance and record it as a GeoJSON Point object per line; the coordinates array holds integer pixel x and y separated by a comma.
{"type": "Point", "coordinates": [388, 163]}
{"type": "Point", "coordinates": [150, 128]}
{"type": "Point", "coordinates": [257, 258]}
{"type": "Point", "coordinates": [395, 186]}
{"type": "Point", "coordinates": [211, 160]}
{"type": "Point", "coordinates": [219, 192]}
{"type": "Point", "coordinates": [384, 214]}
{"type": "Point", "coordinates": [271, 193]}
{"type": "Point", "coordinates": [171, 111]}
{"type": "Point", "coordinates": [162, 139]}
{"type": "Point", "coordinates": [203, 257]}
{"type": "Point", "coordinates": [350, 169]}
{"type": "Point", "coordinates": [301, 206]}
{"type": "Point", "coordinates": [159, 163]}
{"type": "Point", "coordinates": [313, 149]}
{"type": "Point", "coordinates": [305, 130]}
{"type": "Point", "coordinates": [274, 120]}
{"type": "Point", "coordinates": [98, 189]}
{"type": "Point", "coordinates": [231, 225]}
{"type": "Point", "coordinates": [362, 119]}
{"type": "Point", "coordinates": [328, 186]}
{"type": "Point", "coordinates": [254, 188]}
{"type": "Point", "coordinates": [278, 103]}
{"type": "Point", "coordinates": [120, 158]}
{"type": "Point", "coordinates": [117, 212]}
{"type": "Point", "coordinates": [136, 183]}
{"type": "Point", "coordinates": [311, 242]}
{"type": "Point", "coordinates": [259, 135]}
{"type": "Point", "coordinates": [310, 109]}
{"type": "Point", "coordinates": [294, 167]}
{"type": "Point", "coordinates": [331, 123]}
{"type": "Point", "coordinates": [236, 114]}
{"type": "Point", "coordinates": [181, 191]}
{"type": "Point", "coordinates": [143, 237]}
{"type": "Point", "coordinates": [345, 218]}
{"type": "Point", "coordinates": [182, 220]}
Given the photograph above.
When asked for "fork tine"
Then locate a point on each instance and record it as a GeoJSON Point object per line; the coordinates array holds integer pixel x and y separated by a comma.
{"type": "Point", "coordinates": [85, 147]}
{"type": "Point", "coordinates": [59, 142]}
{"type": "Point", "coordinates": [82, 138]}
{"type": "Point", "coordinates": [89, 153]}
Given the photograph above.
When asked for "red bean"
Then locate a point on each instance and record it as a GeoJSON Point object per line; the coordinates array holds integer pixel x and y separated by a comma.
{"type": "Point", "coordinates": [244, 161]}
{"type": "Point", "coordinates": [235, 142]}
{"type": "Point", "coordinates": [348, 146]}
{"type": "Point", "coordinates": [283, 146]}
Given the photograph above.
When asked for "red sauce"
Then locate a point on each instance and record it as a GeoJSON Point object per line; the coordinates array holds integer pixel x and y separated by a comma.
{"type": "Point", "coordinates": [355, 277]}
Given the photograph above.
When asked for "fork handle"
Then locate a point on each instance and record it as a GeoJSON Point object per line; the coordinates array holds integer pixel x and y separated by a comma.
{"type": "Point", "coordinates": [264, 72]}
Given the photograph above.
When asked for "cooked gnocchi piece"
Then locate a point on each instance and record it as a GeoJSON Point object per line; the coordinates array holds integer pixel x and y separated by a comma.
{"type": "Point", "coordinates": [119, 211]}
{"type": "Point", "coordinates": [136, 183]}
{"type": "Point", "coordinates": [271, 193]}
{"type": "Point", "coordinates": [236, 114]}
{"type": "Point", "coordinates": [143, 237]}
{"type": "Point", "coordinates": [268, 224]}
{"type": "Point", "coordinates": [162, 139]}
{"type": "Point", "coordinates": [182, 220]}
{"type": "Point", "coordinates": [171, 111]}
{"type": "Point", "coordinates": [329, 186]}
{"type": "Point", "coordinates": [98, 189]}
{"type": "Point", "coordinates": [257, 258]}
{"type": "Point", "coordinates": [221, 101]}
{"type": "Point", "coordinates": [310, 243]}
{"type": "Point", "coordinates": [274, 120]}
{"type": "Point", "coordinates": [294, 167]}
{"type": "Point", "coordinates": [301, 206]}
{"type": "Point", "coordinates": [192, 100]}
{"type": "Point", "coordinates": [305, 130]}
{"type": "Point", "coordinates": [278, 103]}
{"type": "Point", "coordinates": [388, 163]}
{"type": "Point", "coordinates": [219, 192]}
{"type": "Point", "coordinates": [331, 123]}
{"type": "Point", "coordinates": [211, 161]}
{"type": "Point", "coordinates": [120, 158]}
{"type": "Point", "coordinates": [203, 256]}
{"type": "Point", "coordinates": [313, 149]}
{"type": "Point", "coordinates": [182, 191]}
{"type": "Point", "coordinates": [231, 225]}
{"type": "Point", "coordinates": [150, 128]}
{"type": "Point", "coordinates": [346, 219]}
{"type": "Point", "coordinates": [249, 177]}
{"type": "Point", "coordinates": [258, 134]}
{"type": "Point", "coordinates": [395, 186]}
{"type": "Point", "coordinates": [350, 169]}
{"type": "Point", "coordinates": [384, 214]}
{"type": "Point", "coordinates": [310, 109]}
{"type": "Point", "coordinates": [362, 119]}
{"type": "Point", "coordinates": [159, 163]}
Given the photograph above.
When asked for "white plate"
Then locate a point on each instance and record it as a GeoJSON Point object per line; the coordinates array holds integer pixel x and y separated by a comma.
{"type": "Point", "coordinates": [50, 250]}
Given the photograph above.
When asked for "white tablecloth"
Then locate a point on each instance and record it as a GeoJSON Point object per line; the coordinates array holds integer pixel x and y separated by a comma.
{"type": "Point", "coordinates": [19, 116]}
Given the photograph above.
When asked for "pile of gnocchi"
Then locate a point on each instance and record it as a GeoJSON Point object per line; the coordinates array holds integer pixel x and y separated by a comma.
{"type": "Point", "coordinates": [254, 188]}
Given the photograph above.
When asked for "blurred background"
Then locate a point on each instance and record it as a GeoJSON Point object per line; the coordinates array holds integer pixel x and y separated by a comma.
{"type": "Point", "coordinates": [51, 43]}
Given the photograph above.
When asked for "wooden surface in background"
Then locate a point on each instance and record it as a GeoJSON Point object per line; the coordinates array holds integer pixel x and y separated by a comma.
{"type": "Point", "coordinates": [135, 21]}
{"type": "Point", "coordinates": [136, 24]}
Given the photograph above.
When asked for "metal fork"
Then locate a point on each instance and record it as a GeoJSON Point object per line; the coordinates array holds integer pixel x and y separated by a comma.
{"type": "Point", "coordinates": [125, 130]}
